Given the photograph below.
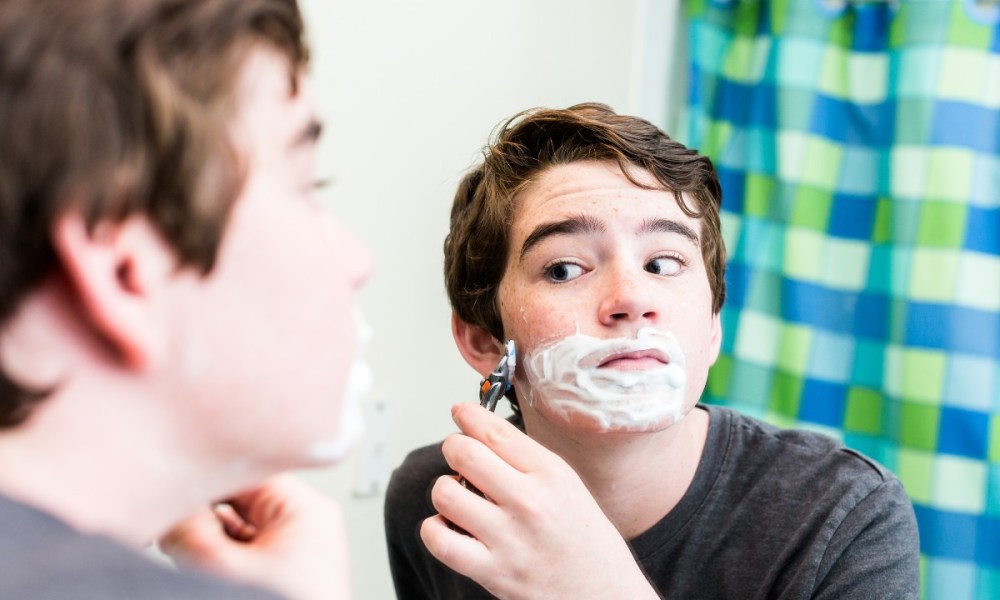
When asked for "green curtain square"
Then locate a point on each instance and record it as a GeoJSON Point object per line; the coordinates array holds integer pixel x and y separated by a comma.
{"type": "Point", "coordinates": [821, 166]}
{"type": "Point", "coordinates": [746, 18]}
{"type": "Point", "coordinates": [864, 410]}
{"type": "Point", "coordinates": [719, 376]}
{"type": "Point", "coordinates": [746, 59]}
{"type": "Point", "coordinates": [793, 349]}
{"type": "Point", "coordinates": [942, 224]}
{"type": "Point", "coordinates": [841, 32]}
{"type": "Point", "coordinates": [833, 74]}
{"type": "Point", "coordinates": [758, 195]}
{"type": "Point", "coordinates": [963, 31]}
{"type": "Point", "coordinates": [918, 426]}
{"type": "Point", "coordinates": [923, 375]}
{"type": "Point", "coordinates": [811, 208]}
{"type": "Point", "coordinates": [694, 8]}
{"type": "Point", "coordinates": [949, 174]}
{"type": "Point", "coordinates": [786, 394]}
{"type": "Point", "coordinates": [779, 12]}
{"type": "Point", "coordinates": [914, 470]}
{"type": "Point", "coordinates": [933, 275]}
{"type": "Point", "coordinates": [718, 135]}
{"type": "Point", "coordinates": [804, 254]}
{"type": "Point", "coordinates": [882, 227]}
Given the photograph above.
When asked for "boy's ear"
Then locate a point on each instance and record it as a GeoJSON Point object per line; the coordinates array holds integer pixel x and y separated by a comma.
{"type": "Point", "coordinates": [116, 273]}
{"type": "Point", "coordinates": [478, 347]}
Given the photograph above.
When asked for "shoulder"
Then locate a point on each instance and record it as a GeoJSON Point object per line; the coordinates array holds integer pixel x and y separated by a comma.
{"type": "Point", "coordinates": [843, 521]}
{"type": "Point", "coordinates": [46, 558]}
{"type": "Point", "coordinates": [805, 476]}
{"type": "Point", "coordinates": [793, 454]}
{"type": "Point", "coordinates": [407, 497]}
{"type": "Point", "coordinates": [418, 471]}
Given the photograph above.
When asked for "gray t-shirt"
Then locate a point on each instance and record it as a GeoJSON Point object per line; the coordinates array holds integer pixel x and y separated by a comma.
{"type": "Point", "coordinates": [771, 513]}
{"type": "Point", "coordinates": [42, 557]}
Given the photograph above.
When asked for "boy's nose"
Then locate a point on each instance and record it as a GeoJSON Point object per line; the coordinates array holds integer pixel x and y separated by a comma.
{"type": "Point", "coordinates": [628, 297]}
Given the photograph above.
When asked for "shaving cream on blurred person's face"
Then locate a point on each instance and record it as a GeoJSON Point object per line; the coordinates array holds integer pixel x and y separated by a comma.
{"type": "Point", "coordinates": [359, 383]}
{"type": "Point", "coordinates": [619, 384]}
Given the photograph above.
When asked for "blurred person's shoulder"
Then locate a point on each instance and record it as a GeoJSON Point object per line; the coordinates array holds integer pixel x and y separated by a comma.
{"type": "Point", "coordinates": [44, 557]}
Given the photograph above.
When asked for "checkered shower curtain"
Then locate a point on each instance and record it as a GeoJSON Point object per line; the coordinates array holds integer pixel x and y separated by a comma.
{"type": "Point", "coordinates": [858, 144]}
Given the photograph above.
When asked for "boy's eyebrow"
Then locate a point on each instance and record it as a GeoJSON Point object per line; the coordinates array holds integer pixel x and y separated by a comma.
{"type": "Point", "coordinates": [655, 225]}
{"type": "Point", "coordinates": [309, 134]}
{"type": "Point", "coordinates": [568, 226]}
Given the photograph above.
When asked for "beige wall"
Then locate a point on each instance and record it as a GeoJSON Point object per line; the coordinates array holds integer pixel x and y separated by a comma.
{"type": "Point", "coordinates": [409, 91]}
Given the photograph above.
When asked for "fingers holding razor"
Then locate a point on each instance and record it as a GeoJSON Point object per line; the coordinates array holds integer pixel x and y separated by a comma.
{"type": "Point", "coordinates": [537, 512]}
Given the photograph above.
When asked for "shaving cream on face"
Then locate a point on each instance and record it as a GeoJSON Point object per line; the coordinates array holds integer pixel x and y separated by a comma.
{"type": "Point", "coordinates": [567, 381]}
{"type": "Point", "coordinates": [351, 424]}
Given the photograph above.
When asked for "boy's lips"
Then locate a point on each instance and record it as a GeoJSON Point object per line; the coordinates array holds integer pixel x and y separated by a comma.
{"type": "Point", "coordinates": [635, 360]}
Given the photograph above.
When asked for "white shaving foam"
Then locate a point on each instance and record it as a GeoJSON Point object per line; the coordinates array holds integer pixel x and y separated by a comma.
{"type": "Point", "coordinates": [359, 383]}
{"type": "Point", "coordinates": [566, 378]}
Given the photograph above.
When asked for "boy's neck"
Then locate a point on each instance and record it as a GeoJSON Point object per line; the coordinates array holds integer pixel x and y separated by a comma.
{"type": "Point", "coordinates": [130, 483]}
{"type": "Point", "coordinates": [637, 479]}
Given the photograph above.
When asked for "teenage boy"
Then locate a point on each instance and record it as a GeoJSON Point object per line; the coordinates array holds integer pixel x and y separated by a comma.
{"type": "Point", "coordinates": [593, 241]}
{"type": "Point", "coordinates": [176, 314]}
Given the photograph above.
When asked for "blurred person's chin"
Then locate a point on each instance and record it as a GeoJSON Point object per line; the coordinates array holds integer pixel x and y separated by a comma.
{"type": "Point", "coordinates": [351, 425]}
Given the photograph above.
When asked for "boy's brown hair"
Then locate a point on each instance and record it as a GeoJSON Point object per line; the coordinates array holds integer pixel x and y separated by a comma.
{"type": "Point", "coordinates": [523, 147]}
{"type": "Point", "coordinates": [114, 108]}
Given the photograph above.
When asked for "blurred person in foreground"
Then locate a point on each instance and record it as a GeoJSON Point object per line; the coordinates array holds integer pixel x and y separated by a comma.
{"type": "Point", "coordinates": [593, 241]}
{"type": "Point", "coordinates": [177, 321]}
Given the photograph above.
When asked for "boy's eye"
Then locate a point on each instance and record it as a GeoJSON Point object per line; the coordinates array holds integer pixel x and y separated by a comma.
{"type": "Point", "coordinates": [564, 272]}
{"type": "Point", "coordinates": [665, 265]}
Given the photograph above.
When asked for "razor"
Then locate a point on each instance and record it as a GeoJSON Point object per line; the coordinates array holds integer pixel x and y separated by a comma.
{"type": "Point", "coordinates": [493, 387]}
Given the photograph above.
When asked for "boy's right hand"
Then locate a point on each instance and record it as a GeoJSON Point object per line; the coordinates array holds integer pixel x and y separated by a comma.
{"type": "Point", "coordinates": [540, 534]}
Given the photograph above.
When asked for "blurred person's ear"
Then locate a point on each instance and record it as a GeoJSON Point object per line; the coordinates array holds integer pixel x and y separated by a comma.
{"type": "Point", "coordinates": [117, 272]}
{"type": "Point", "coordinates": [478, 347]}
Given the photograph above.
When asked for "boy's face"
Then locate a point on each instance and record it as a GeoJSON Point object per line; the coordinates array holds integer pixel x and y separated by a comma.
{"type": "Point", "coordinates": [593, 254]}
{"type": "Point", "coordinates": [266, 341]}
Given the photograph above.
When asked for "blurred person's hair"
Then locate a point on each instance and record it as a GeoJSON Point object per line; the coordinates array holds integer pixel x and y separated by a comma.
{"type": "Point", "coordinates": [115, 108]}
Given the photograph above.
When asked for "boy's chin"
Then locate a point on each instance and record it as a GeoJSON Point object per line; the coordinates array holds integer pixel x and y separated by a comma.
{"type": "Point", "coordinates": [618, 422]}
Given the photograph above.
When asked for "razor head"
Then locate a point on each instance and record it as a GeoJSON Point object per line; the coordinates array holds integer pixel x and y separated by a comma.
{"type": "Point", "coordinates": [493, 387]}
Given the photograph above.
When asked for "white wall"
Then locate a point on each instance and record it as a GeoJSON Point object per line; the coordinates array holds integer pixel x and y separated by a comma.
{"type": "Point", "coordinates": [409, 91]}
